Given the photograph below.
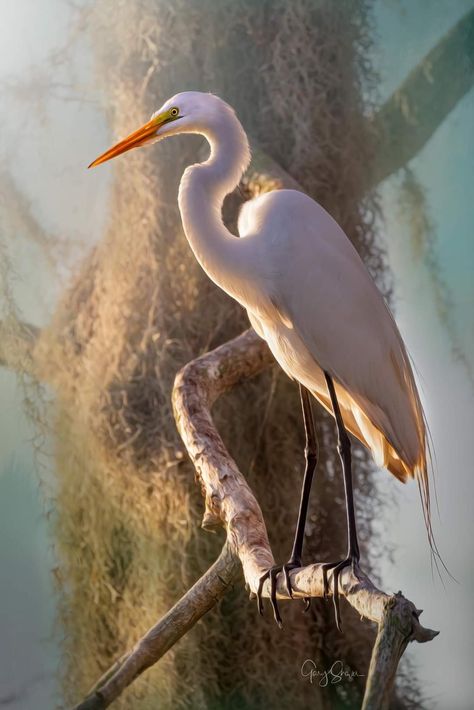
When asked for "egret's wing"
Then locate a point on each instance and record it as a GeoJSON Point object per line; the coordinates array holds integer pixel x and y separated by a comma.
{"type": "Point", "coordinates": [321, 287]}
{"type": "Point", "coordinates": [328, 311]}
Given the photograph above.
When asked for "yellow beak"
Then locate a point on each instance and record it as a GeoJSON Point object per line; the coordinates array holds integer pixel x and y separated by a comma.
{"type": "Point", "coordinates": [134, 140]}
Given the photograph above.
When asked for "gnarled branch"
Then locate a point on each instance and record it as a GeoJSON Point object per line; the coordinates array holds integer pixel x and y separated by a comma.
{"type": "Point", "coordinates": [230, 503]}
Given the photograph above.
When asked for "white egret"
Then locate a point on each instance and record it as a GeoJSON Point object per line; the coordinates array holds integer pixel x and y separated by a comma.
{"type": "Point", "coordinates": [308, 294]}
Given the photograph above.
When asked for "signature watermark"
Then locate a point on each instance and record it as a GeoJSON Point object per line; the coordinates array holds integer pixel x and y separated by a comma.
{"type": "Point", "coordinates": [337, 673]}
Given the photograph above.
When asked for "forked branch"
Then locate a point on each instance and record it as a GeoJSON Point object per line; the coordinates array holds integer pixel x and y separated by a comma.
{"type": "Point", "coordinates": [230, 503]}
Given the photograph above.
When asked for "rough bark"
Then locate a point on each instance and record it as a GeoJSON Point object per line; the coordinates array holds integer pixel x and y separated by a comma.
{"type": "Point", "coordinates": [396, 629]}
{"type": "Point", "coordinates": [230, 503]}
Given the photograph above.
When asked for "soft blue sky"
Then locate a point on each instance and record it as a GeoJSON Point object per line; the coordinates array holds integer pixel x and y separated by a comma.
{"type": "Point", "coordinates": [50, 151]}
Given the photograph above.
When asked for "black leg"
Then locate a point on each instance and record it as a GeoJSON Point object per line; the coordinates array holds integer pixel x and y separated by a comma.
{"type": "Point", "coordinates": [353, 554]}
{"type": "Point", "coordinates": [311, 458]}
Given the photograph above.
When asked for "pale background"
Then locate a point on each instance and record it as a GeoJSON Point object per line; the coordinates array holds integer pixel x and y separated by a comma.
{"type": "Point", "coordinates": [48, 143]}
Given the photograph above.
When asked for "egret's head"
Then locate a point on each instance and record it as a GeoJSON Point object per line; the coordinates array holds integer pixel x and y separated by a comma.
{"type": "Point", "coordinates": [188, 112]}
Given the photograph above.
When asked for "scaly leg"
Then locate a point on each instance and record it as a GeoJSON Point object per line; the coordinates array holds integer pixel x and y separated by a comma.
{"type": "Point", "coordinates": [353, 554]}
{"type": "Point", "coordinates": [311, 457]}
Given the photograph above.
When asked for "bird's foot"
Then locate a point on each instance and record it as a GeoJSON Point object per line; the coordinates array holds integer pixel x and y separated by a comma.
{"type": "Point", "coordinates": [272, 575]}
{"type": "Point", "coordinates": [352, 560]}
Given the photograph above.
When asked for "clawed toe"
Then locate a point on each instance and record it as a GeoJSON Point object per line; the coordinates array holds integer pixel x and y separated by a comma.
{"type": "Point", "coordinates": [337, 567]}
{"type": "Point", "coordinates": [286, 569]}
{"type": "Point", "coordinates": [272, 575]}
{"type": "Point", "coordinates": [352, 560]}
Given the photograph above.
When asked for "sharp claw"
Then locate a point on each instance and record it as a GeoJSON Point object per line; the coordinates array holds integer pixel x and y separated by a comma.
{"type": "Point", "coordinates": [325, 584]}
{"type": "Point", "coordinates": [273, 580]}
{"type": "Point", "coordinates": [307, 604]}
{"type": "Point", "coordinates": [272, 575]}
{"type": "Point", "coordinates": [286, 572]}
{"type": "Point", "coordinates": [336, 599]}
{"type": "Point", "coordinates": [337, 568]}
{"type": "Point", "coordinates": [259, 593]}
{"type": "Point", "coordinates": [326, 567]}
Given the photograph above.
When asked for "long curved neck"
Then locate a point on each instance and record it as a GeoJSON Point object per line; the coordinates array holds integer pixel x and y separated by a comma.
{"type": "Point", "coordinates": [202, 191]}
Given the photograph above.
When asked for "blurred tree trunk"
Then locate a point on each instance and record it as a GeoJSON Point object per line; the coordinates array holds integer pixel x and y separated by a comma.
{"type": "Point", "coordinates": [415, 110]}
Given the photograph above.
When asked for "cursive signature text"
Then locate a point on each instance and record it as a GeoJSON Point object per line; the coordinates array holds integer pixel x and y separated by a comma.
{"type": "Point", "coordinates": [335, 674]}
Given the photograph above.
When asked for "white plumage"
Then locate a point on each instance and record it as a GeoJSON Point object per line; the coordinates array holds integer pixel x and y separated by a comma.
{"type": "Point", "coordinates": [322, 311]}
{"type": "Point", "coordinates": [304, 286]}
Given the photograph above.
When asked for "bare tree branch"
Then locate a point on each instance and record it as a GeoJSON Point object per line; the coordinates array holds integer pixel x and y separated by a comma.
{"type": "Point", "coordinates": [398, 616]}
{"type": "Point", "coordinates": [408, 119]}
{"type": "Point", "coordinates": [207, 591]}
{"type": "Point", "coordinates": [230, 503]}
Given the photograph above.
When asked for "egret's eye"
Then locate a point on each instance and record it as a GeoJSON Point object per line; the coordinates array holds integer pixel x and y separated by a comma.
{"type": "Point", "coordinates": [174, 112]}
